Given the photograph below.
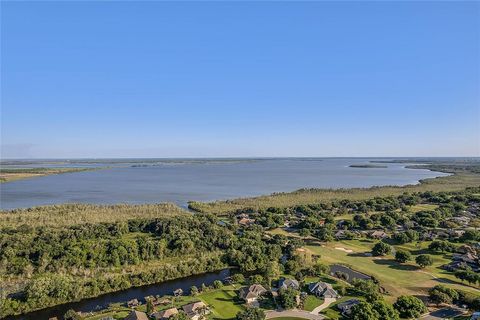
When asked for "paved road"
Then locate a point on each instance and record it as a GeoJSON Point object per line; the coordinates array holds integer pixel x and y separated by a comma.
{"type": "Point", "coordinates": [445, 313]}
{"type": "Point", "coordinates": [294, 313]}
{"type": "Point", "coordinates": [324, 305]}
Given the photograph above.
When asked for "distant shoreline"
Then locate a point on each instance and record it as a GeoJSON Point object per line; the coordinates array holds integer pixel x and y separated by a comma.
{"type": "Point", "coordinates": [367, 166]}
{"type": "Point", "coordinates": [9, 175]}
{"type": "Point", "coordinates": [463, 174]}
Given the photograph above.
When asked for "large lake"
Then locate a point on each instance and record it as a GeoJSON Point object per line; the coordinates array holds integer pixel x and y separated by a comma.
{"type": "Point", "coordinates": [179, 181]}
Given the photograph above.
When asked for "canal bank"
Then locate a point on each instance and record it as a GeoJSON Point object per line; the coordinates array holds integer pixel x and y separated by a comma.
{"type": "Point", "coordinates": [103, 301]}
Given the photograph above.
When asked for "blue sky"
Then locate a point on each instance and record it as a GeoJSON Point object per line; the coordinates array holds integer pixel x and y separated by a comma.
{"type": "Point", "coordinates": [229, 79]}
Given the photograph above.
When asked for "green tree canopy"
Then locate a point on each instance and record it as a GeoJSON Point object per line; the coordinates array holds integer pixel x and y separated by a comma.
{"type": "Point", "coordinates": [251, 314]}
{"type": "Point", "coordinates": [381, 249]}
{"type": "Point", "coordinates": [409, 307]}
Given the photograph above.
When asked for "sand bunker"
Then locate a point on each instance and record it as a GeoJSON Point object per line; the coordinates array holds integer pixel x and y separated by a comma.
{"type": "Point", "coordinates": [343, 249]}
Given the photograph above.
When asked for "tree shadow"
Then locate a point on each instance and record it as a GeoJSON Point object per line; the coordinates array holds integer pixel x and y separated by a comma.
{"type": "Point", "coordinates": [359, 254]}
{"type": "Point", "coordinates": [366, 241]}
{"type": "Point", "coordinates": [395, 265]}
{"type": "Point", "coordinates": [421, 251]}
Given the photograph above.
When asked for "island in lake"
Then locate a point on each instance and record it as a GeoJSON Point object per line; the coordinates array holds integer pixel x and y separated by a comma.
{"type": "Point", "coordinates": [367, 166]}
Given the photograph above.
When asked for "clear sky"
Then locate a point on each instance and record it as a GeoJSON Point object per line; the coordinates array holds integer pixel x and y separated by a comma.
{"type": "Point", "coordinates": [229, 79]}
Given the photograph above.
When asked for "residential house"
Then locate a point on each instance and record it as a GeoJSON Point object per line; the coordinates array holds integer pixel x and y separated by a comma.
{"type": "Point", "coordinates": [461, 220]}
{"type": "Point", "coordinates": [468, 260]}
{"type": "Point", "coordinates": [136, 315]}
{"type": "Point", "coordinates": [162, 301]}
{"type": "Point", "coordinates": [456, 233]}
{"type": "Point", "coordinates": [346, 307]}
{"type": "Point", "coordinates": [378, 234]}
{"type": "Point", "coordinates": [133, 303]}
{"type": "Point", "coordinates": [323, 289]}
{"type": "Point", "coordinates": [434, 234]}
{"type": "Point", "coordinates": [242, 216]}
{"type": "Point", "coordinates": [468, 257]}
{"type": "Point", "coordinates": [455, 266]}
{"type": "Point", "coordinates": [340, 234]}
{"type": "Point", "coordinates": [178, 292]}
{"type": "Point", "coordinates": [288, 284]}
{"type": "Point", "coordinates": [246, 221]}
{"type": "Point", "coordinates": [195, 310]}
{"type": "Point", "coordinates": [164, 314]}
{"type": "Point", "coordinates": [252, 294]}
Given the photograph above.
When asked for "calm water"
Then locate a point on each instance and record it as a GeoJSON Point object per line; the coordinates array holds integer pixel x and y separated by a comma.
{"type": "Point", "coordinates": [142, 181]}
{"type": "Point", "coordinates": [139, 293]}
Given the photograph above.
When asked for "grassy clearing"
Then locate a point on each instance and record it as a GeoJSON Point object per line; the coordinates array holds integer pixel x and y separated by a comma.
{"type": "Point", "coordinates": [288, 318]}
{"type": "Point", "coordinates": [224, 302]}
{"type": "Point", "coordinates": [76, 214]}
{"type": "Point", "coordinates": [423, 207]}
{"type": "Point", "coordinates": [8, 175]}
{"type": "Point", "coordinates": [313, 196]}
{"type": "Point", "coordinates": [312, 302]}
{"type": "Point", "coordinates": [397, 278]}
{"type": "Point", "coordinates": [115, 314]}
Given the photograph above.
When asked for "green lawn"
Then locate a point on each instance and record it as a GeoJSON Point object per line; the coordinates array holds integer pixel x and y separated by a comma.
{"type": "Point", "coordinates": [288, 318]}
{"type": "Point", "coordinates": [312, 302]}
{"type": "Point", "coordinates": [423, 207]}
{"type": "Point", "coordinates": [332, 312]}
{"type": "Point", "coordinates": [114, 314]}
{"type": "Point", "coordinates": [398, 279]}
{"type": "Point", "coordinates": [224, 302]}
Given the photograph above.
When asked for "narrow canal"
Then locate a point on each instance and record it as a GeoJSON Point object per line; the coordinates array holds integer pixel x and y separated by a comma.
{"type": "Point", "coordinates": [101, 302]}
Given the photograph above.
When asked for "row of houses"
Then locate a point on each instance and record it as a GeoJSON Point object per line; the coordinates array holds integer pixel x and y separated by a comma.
{"type": "Point", "coordinates": [195, 311]}
{"type": "Point", "coordinates": [463, 261]}
{"type": "Point", "coordinates": [373, 234]}
{"type": "Point", "coordinates": [252, 294]}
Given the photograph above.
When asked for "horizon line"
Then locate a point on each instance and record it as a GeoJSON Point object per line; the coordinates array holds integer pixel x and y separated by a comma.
{"type": "Point", "coordinates": [237, 157]}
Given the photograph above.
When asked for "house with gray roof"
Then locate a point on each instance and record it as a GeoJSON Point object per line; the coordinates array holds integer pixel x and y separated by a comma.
{"type": "Point", "coordinates": [253, 293]}
{"type": "Point", "coordinates": [288, 284]}
{"type": "Point", "coordinates": [323, 289]}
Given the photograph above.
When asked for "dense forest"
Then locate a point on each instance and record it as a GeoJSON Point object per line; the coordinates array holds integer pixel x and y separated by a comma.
{"type": "Point", "coordinates": [42, 266]}
{"type": "Point", "coordinates": [52, 261]}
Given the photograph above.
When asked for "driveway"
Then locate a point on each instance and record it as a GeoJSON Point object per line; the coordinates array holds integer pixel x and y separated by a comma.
{"type": "Point", "coordinates": [294, 313]}
{"type": "Point", "coordinates": [324, 305]}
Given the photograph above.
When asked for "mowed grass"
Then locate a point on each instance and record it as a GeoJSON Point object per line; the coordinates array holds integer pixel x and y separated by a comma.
{"type": "Point", "coordinates": [332, 311]}
{"type": "Point", "coordinates": [397, 278]}
{"type": "Point", "coordinates": [312, 302]}
{"type": "Point", "coordinates": [456, 182]}
{"type": "Point", "coordinates": [423, 207]}
{"type": "Point", "coordinates": [224, 302]}
{"type": "Point", "coordinates": [288, 318]}
{"type": "Point", "coordinates": [116, 314]}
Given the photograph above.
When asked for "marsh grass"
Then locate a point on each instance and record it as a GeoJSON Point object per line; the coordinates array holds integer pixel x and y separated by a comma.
{"type": "Point", "coordinates": [454, 182]}
{"type": "Point", "coordinates": [75, 214]}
